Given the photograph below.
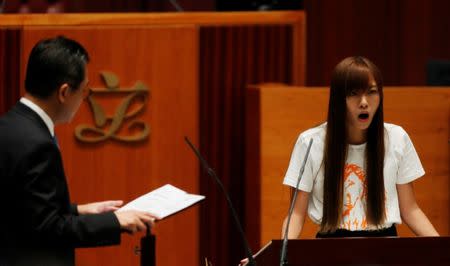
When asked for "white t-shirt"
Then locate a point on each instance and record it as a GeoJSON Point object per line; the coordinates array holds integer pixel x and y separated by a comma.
{"type": "Point", "coordinates": [401, 165]}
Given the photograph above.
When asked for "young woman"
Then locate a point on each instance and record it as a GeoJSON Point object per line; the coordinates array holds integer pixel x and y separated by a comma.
{"type": "Point", "coordinates": [358, 177]}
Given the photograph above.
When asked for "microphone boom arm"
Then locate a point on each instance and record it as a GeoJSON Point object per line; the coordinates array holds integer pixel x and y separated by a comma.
{"type": "Point", "coordinates": [283, 255]}
{"type": "Point", "coordinates": [211, 173]}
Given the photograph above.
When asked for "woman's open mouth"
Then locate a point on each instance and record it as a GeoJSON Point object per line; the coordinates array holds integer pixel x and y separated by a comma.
{"type": "Point", "coordinates": [364, 117]}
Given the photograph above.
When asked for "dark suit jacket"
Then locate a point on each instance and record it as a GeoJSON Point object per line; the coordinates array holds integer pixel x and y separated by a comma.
{"type": "Point", "coordinates": [38, 225]}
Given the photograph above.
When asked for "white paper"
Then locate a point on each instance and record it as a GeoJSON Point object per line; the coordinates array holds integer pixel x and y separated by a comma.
{"type": "Point", "coordinates": [163, 201]}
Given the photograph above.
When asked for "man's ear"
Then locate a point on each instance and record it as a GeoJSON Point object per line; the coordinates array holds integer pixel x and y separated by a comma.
{"type": "Point", "coordinates": [63, 92]}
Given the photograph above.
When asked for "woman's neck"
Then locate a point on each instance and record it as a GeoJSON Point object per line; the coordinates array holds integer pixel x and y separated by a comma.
{"type": "Point", "coordinates": [356, 136]}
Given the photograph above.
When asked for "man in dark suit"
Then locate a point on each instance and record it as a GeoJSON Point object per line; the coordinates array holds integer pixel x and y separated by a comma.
{"type": "Point", "coordinates": [39, 225]}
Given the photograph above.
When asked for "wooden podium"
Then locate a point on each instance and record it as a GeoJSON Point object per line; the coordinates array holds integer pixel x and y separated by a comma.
{"type": "Point", "coordinates": [359, 251]}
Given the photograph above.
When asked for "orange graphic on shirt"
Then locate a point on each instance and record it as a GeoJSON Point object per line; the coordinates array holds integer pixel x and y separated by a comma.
{"type": "Point", "coordinates": [350, 203]}
{"type": "Point", "coordinates": [364, 223]}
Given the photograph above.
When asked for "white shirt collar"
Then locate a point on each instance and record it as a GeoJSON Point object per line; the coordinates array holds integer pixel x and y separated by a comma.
{"type": "Point", "coordinates": [42, 114]}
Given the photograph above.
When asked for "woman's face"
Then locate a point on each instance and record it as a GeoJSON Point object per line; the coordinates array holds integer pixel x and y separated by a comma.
{"type": "Point", "coordinates": [362, 106]}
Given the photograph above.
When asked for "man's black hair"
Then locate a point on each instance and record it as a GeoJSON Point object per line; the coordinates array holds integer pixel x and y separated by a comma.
{"type": "Point", "coordinates": [52, 63]}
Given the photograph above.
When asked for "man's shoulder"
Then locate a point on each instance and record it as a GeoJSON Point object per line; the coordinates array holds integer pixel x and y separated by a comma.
{"type": "Point", "coordinates": [10, 123]}
{"type": "Point", "coordinates": [15, 126]}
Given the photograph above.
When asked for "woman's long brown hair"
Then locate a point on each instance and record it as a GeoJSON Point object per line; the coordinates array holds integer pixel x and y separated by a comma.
{"type": "Point", "coordinates": [351, 74]}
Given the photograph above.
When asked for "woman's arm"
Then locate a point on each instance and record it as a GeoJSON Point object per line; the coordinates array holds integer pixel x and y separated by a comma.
{"type": "Point", "coordinates": [298, 216]}
{"type": "Point", "coordinates": [411, 213]}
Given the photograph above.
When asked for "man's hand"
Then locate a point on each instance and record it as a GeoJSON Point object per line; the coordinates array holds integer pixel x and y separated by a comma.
{"type": "Point", "coordinates": [243, 262]}
{"type": "Point", "coordinates": [100, 207]}
{"type": "Point", "coordinates": [135, 221]}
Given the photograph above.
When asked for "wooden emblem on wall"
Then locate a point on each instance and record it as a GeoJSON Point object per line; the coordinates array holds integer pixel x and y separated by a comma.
{"type": "Point", "coordinates": [122, 123]}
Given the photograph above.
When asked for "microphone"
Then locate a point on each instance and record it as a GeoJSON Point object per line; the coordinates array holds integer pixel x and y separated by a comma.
{"type": "Point", "coordinates": [210, 171]}
{"type": "Point", "coordinates": [177, 6]}
{"type": "Point", "coordinates": [283, 256]}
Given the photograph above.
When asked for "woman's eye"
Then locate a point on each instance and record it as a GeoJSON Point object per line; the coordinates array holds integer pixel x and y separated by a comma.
{"type": "Point", "coordinates": [353, 93]}
{"type": "Point", "coordinates": [373, 90]}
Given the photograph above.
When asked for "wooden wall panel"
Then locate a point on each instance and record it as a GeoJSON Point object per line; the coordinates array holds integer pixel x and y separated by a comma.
{"type": "Point", "coordinates": [189, 18]}
{"type": "Point", "coordinates": [10, 45]}
{"type": "Point", "coordinates": [427, 122]}
{"type": "Point", "coordinates": [164, 59]}
{"type": "Point", "coordinates": [286, 111]}
{"type": "Point", "coordinates": [398, 36]}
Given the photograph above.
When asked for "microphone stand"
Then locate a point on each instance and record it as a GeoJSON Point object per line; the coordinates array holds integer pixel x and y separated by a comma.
{"type": "Point", "coordinates": [148, 249]}
{"type": "Point", "coordinates": [177, 6]}
{"type": "Point", "coordinates": [210, 171]}
{"type": "Point", "coordinates": [283, 255]}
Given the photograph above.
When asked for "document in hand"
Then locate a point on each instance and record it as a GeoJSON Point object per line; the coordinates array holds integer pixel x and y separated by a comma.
{"type": "Point", "coordinates": [163, 201]}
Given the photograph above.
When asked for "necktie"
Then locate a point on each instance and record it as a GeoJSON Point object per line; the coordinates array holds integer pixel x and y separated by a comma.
{"type": "Point", "coordinates": [55, 140]}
